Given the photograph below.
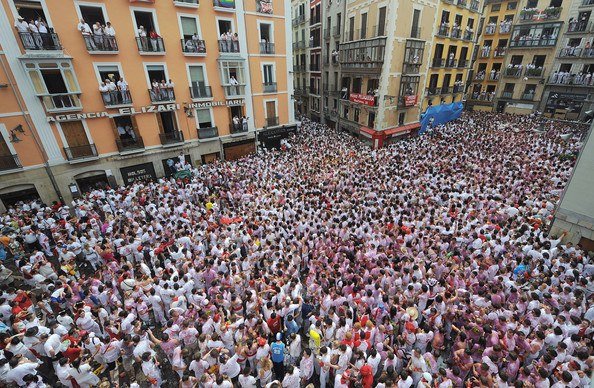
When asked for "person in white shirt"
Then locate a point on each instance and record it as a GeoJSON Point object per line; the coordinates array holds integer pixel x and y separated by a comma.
{"type": "Point", "coordinates": [35, 33]}
{"type": "Point", "coordinates": [291, 379]}
{"type": "Point", "coordinates": [23, 29]}
{"type": "Point", "coordinates": [143, 40]}
{"type": "Point", "coordinates": [98, 32]}
{"type": "Point", "coordinates": [113, 90]}
{"type": "Point", "coordinates": [19, 368]}
{"type": "Point", "coordinates": [103, 89]}
{"type": "Point", "coordinates": [170, 93]}
{"type": "Point", "coordinates": [109, 38]}
{"type": "Point", "coordinates": [86, 32]}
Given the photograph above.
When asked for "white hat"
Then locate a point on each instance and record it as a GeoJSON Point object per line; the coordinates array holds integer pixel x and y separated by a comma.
{"type": "Point", "coordinates": [20, 17]}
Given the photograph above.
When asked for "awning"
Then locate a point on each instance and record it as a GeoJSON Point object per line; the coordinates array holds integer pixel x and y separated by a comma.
{"type": "Point", "coordinates": [369, 131]}
{"type": "Point", "coordinates": [405, 128]}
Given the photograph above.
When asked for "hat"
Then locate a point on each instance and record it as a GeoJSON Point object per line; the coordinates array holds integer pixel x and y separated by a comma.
{"type": "Point", "coordinates": [279, 336]}
{"type": "Point", "coordinates": [427, 377]}
{"type": "Point", "coordinates": [346, 375]}
{"type": "Point", "coordinates": [413, 313]}
{"type": "Point", "coordinates": [261, 341]}
{"type": "Point", "coordinates": [20, 17]}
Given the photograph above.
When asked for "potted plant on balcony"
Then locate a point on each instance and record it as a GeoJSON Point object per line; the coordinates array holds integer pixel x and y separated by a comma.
{"type": "Point", "coordinates": [527, 13]}
{"type": "Point", "coordinates": [553, 12]}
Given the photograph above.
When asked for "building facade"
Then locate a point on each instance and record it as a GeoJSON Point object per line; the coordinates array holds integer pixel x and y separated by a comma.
{"type": "Point", "coordinates": [300, 22]}
{"type": "Point", "coordinates": [532, 48]}
{"type": "Point", "coordinates": [454, 34]}
{"type": "Point", "coordinates": [569, 84]}
{"type": "Point", "coordinates": [112, 90]}
{"type": "Point", "coordinates": [490, 56]}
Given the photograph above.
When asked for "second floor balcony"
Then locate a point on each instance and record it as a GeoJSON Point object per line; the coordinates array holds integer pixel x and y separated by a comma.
{"type": "Point", "coordinates": [161, 95]}
{"type": "Point", "coordinates": [528, 96]}
{"type": "Point", "coordinates": [171, 137]}
{"type": "Point", "coordinates": [39, 41]}
{"type": "Point", "coordinates": [451, 62]}
{"type": "Point", "coordinates": [80, 152]}
{"type": "Point", "coordinates": [61, 102]}
{"type": "Point", "coordinates": [208, 133]}
{"type": "Point", "coordinates": [126, 144]}
{"type": "Point", "coordinates": [524, 41]}
{"type": "Point", "coordinates": [433, 91]}
{"type": "Point", "coordinates": [499, 52]}
{"type": "Point", "coordinates": [266, 48]}
{"type": "Point", "coordinates": [116, 98]}
{"type": "Point", "coordinates": [193, 46]}
{"type": "Point", "coordinates": [147, 45]}
{"type": "Point", "coordinates": [269, 87]}
{"type": "Point", "coordinates": [271, 121]}
{"type": "Point", "coordinates": [443, 30]}
{"type": "Point", "coordinates": [238, 128]}
{"type": "Point", "coordinates": [100, 43]}
{"type": "Point", "coordinates": [10, 162]}
{"type": "Point", "coordinates": [200, 91]}
{"type": "Point", "coordinates": [533, 72]}
{"type": "Point", "coordinates": [507, 94]}
{"type": "Point", "coordinates": [514, 72]}
{"type": "Point", "coordinates": [456, 33]}
{"type": "Point", "coordinates": [438, 62]}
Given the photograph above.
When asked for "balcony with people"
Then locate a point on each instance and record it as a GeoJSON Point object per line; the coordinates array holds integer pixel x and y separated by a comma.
{"type": "Point", "coordinates": [149, 42]}
{"type": "Point", "coordinates": [99, 38]}
{"type": "Point", "coordinates": [115, 94]}
{"type": "Point", "coordinates": [365, 56]}
{"type": "Point", "coordinates": [162, 92]}
{"type": "Point", "coordinates": [193, 45]}
{"type": "Point", "coordinates": [36, 35]}
{"type": "Point", "coordinates": [266, 47]}
{"type": "Point", "coordinates": [229, 43]}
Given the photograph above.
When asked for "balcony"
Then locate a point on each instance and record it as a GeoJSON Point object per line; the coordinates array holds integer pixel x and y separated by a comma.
{"type": "Point", "coordinates": [315, 20]}
{"type": "Point", "coordinates": [266, 48]}
{"type": "Point", "coordinates": [237, 128]}
{"type": "Point", "coordinates": [451, 62]}
{"type": "Point", "coordinates": [80, 152]}
{"type": "Point", "coordinates": [494, 75]}
{"type": "Point", "coordinates": [490, 29]}
{"type": "Point", "coordinates": [553, 13]}
{"type": "Point", "coordinates": [509, 95]}
{"type": "Point", "coordinates": [37, 41]}
{"type": "Point", "coordinates": [528, 96]}
{"type": "Point", "coordinates": [505, 28]}
{"type": "Point", "coordinates": [536, 72]}
{"type": "Point", "coordinates": [186, 3]}
{"type": "Point", "coordinates": [271, 121]}
{"type": "Point", "coordinates": [116, 98]}
{"type": "Point", "coordinates": [468, 35]}
{"type": "Point", "coordinates": [234, 91]}
{"type": "Point", "coordinates": [499, 52]}
{"type": "Point", "coordinates": [447, 90]}
{"type": "Point", "coordinates": [298, 20]}
{"type": "Point", "coordinates": [228, 46]}
{"type": "Point", "coordinates": [314, 67]}
{"type": "Point", "coordinates": [550, 13]}
{"type": "Point", "coordinates": [193, 46]}
{"type": "Point", "coordinates": [335, 60]}
{"type": "Point", "coordinates": [577, 26]}
{"type": "Point", "coordinates": [485, 51]}
{"type": "Point", "coordinates": [513, 72]}
{"type": "Point", "coordinates": [462, 63]}
{"type": "Point", "coordinates": [336, 31]}
{"type": "Point", "coordinates": [462, 3]}
{"type": "Point", "coordinates": [129, 144]}
{"type": "Point", "coordinates": [527, 14]}
{"type": "Point", "coordinates": [443, 31]}
{"type": "Point", "coordinates": [572, 52]}
{"type": "Point", "coordinates": [459, 89]}
{"type": "Point", "coordinates": [314, 43]}
{"type": "Point", "coordinates": [198, 92]}
{"type": "Point", "coordinates": [433, 91]}
{"type": "Point", "coordinates": [148, 45]}
{"type": "Point", "coordinates": [10, 162]}
{"type": "Point", "coordinates": [456, 33]}
{"type": "Point", "coordinates": [101, 44]}
{"type": "Point", "coordinates": [171, 137]}
{"type": "Point", "coordinates": [224, 5]}
{"type": "Point", "coordinates": [269, 87]}
{"type": "Point", "coordinates": [264, 7]}
{"type": "Point", "coordinates": [61, 102]}
{"type": "Point", "coordinates": [313, 90]}
{"type": "Point", "coordinates": [437, 62]}
{"type": "Point", "coordinates": [527, 43]}
{"type": "Point", "coordinates": [163, 95]}
{"type": "Point", "coordinates": [208, 133]}
{"type": "Point", "coordinates": [474, 5]}
{"type": "Point", "coordinates": [299, 68]}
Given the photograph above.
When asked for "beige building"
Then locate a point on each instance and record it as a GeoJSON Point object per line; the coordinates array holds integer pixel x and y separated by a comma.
{"type": "Point", "coordinates": [383, 57]}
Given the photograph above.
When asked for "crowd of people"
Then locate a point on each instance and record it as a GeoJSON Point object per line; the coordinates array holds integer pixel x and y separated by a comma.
{"type": "Point", "coordinates": [426, 263]}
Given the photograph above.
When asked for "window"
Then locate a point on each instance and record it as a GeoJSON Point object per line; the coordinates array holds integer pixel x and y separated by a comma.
{"type": "Point", "coordinates": [266, 38]}
{"type": "Point", "coordinates": [126, 132]}
{"type": "Point", "coordinates": [495, 7]}
{"type": "Point", "coordinates": [271, 116]}
{"type": "Point", "coordinates": [363, 31]}
{"type": "Point", "coordinates": [415, 31]}
{"type": "Point", "coordinates": [198, 86]}
{"type": "Point", "coordinates": [111, 74]}
{"type": "Point", "coordinates": [55, 83]}
{"type": "Point", "coordinates": [413, 56]}
{"type": "Point", "coordinates": [409, 86]}
{"type": "Point", "coordinates": [401, 118]}
{"type": "Point", "coordinates": [189, 27]}
{"type": "Point", "coordinates": [352, 28]}
{"type": "Point", "coordinates": [535, 35]}
{"type": "Point", "coordinates": [445, 17]}
{"type": "Point", "coordinates": [204, 118]}
{"type": "Point", "coordinates": [532, 4]}
{"type": "Point", "coordinates": [145, 23]}
{"type": "Point", "coordinates": [156, 73]}
{"type": "Point", "coordinates": [268, 78]}
{"type": "Point", "coordinates": [381, 22]}
{"type": "Point", "coordinates": [166, 122]}
{"type": "Point", "coordinates": [77, 142]}
{"type": "Point", "coordinates": [511, 6]}
{"type": "Point", "coordinates": [231, 74]}
{"type": "Point", "coordinates": [92, 14]}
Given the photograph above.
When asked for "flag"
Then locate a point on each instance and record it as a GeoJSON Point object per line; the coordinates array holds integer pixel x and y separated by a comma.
{"type": "Point", "coordinates": [539, 16]}
{"type": "Point", "coordinates": [266, 7]}
{"type": "Point", "coordinates": [228, 3]}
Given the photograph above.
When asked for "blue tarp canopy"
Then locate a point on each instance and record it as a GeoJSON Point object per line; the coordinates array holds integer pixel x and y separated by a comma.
{"type": "Point", "coordinates": [441, 114]}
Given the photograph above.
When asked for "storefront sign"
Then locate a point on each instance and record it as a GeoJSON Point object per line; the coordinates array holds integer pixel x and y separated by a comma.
{"type": "Point", "coordinates": [364, 99]}
{"type": "Point", "coordinates": [209, 104]}
{"type": "Point", "coordinates": [121, 111]}
{"type": "Point", "coordinates": [410, 100]}
{"type": "Point", "coordinates": [137, 173]}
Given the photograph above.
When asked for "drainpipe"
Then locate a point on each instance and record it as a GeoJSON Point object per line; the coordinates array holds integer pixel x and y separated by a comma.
{"type": "Point", "coordinates": [48, 169]}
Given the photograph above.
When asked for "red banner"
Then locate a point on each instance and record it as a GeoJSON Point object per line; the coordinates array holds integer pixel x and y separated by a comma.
{"type": "Point", "coordinates": [363, 99]}
{"type": "Point", "coordinates": [410, 100]}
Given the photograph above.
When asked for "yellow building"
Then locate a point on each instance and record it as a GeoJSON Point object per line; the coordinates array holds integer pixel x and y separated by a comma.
{"type": "Point", "coordinates": [454, 33]}
{"type": "Point", "coordinates": [113, 89]}
{"type": "Point", "coordinates": [383, 56]}
{"type": "Point", "coordinates": [496, 34]}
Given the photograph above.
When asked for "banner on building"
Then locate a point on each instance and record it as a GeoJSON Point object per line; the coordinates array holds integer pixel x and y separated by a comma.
{"type": "Point", "coordinates": [363, 99]}
{"type": "Point", "coordinates": [410, 100]}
